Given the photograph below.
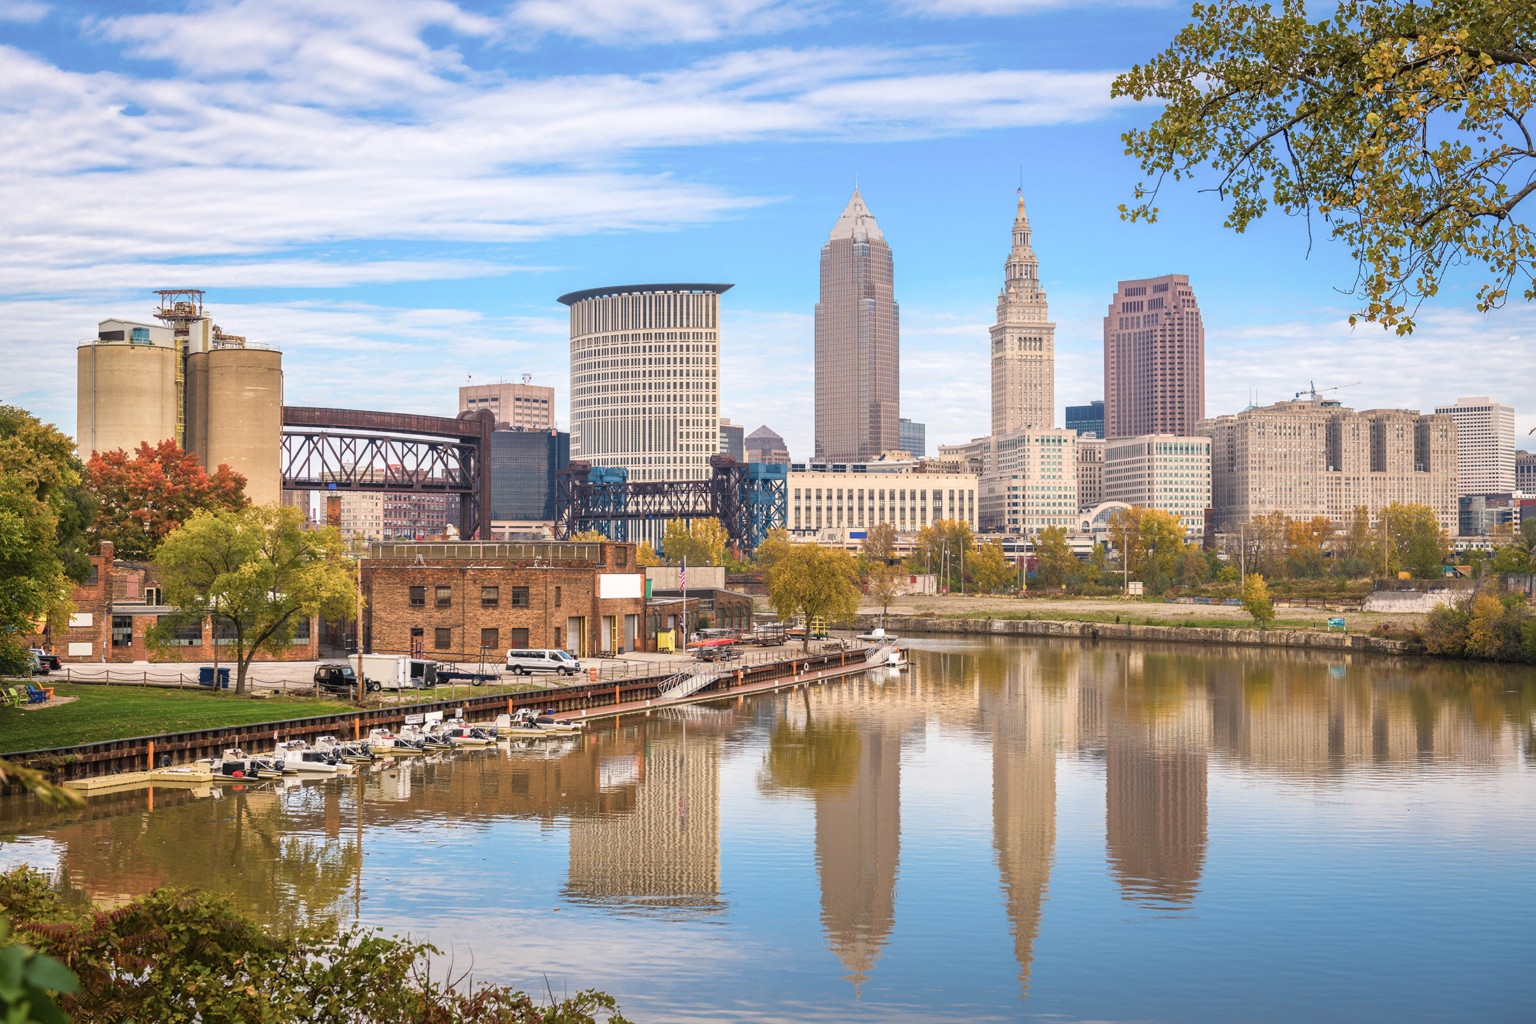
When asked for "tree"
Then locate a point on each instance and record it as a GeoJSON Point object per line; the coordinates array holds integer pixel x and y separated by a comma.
{"type": "Point", "coordinates": [1150, 541]}
{"type": "Point", "coordinates": [143, 497]}
{"type": "Point", "coordinates": [1401, 124]}
{"type": "Point", "coordinates": [1256, 600]}
{"type": "Point", "coordinates": [813, 581]}
{"type": "Point", "coordinates": [1193, 568]}
{"type": "Point", "coordinates": [886, 583]}
{"type": "Point", "coordinates": [646, 555]}
{"type": "Point", "coordinates": [1414, 539]}
{"type": "Point", "coordinates": [698, 542]}
{"type": "Point", "coordinates": [989, 568]}
{"type": "Point", "coordinates": [940, 548]}
{"type": "Point", "coordinates": [1358, 545]}
{"type": "Point", "coordinates": [255, 571]}
{"type": "Point", "coordinates": [880, 543]}
{"type": "Point", "coordinates": [775, 546]}
{"type": "Point", "coordinates": [1054, 558]}
{"type": "Point", "coordinates": [590, 536]}
{"type": "Point", "coordinates": [40, 543]}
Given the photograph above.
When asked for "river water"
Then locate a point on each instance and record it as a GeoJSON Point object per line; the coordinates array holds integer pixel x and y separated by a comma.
{"type": "Point", "coordinates": [1009, 830]}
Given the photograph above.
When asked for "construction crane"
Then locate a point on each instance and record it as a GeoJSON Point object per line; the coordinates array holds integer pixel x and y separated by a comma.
{"type": "Point", "coordinates": [1313, 390]}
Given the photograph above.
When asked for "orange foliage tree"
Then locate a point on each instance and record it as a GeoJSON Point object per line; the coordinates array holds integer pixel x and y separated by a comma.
{"type": "Point", "coordinates": [145, 496]}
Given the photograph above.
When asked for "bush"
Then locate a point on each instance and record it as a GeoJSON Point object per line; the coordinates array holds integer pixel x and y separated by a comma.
{"type": "Point", "coordinates": [176, 955]}
{"type": "Point", "coordinates": [1483, 626]}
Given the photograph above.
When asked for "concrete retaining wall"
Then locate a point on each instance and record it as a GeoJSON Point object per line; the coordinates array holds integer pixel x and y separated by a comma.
{"type": "Point", "coordinates": [1410, 602]}
{"type": "Point", "coordinates": [1317, 640]}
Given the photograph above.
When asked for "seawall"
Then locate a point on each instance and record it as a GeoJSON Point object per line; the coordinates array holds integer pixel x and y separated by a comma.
{"type": "Point", "coordinates": [1293, 638]}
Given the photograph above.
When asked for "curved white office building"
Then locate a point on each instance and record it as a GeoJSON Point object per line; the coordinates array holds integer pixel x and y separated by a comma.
{"type": "Point", "coordinates": [645, 378]}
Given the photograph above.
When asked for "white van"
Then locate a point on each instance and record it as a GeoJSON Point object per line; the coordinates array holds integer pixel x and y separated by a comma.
{"type": "Point", "coordinates": [525, 661]}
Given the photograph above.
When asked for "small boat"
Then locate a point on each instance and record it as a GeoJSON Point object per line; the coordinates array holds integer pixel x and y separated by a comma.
{"type": "Point", "coordinates": [877, 635]}
{"type": "Point", "coordinates": [237, 764]}
{"type": "Point", "coordinates": [468, 736]}
{"type": "Point", "coordinates": [384, 742]}
{"type": "Point", "coordinates": [347, 753]}
{"type": "Point", "coordinates": [431, 738]}
{"type": "Point", "coordinates": [301, 758]}
{"type": "Point", "coordinates": [525, 724]}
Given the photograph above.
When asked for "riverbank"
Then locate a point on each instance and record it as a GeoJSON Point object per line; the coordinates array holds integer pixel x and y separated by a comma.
{"type": "Point", "coordinates": [903, 625]}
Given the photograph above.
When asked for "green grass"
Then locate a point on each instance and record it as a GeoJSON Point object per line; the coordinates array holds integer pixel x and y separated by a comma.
{"type": "Point", "coordinates": [119, 712]}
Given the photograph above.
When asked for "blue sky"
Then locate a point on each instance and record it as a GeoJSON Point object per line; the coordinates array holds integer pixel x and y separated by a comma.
{"type": "Point", "coordinates": [394, 193]}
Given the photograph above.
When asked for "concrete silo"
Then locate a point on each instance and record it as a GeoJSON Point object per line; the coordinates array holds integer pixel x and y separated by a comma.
{"type": "Point", "coordinates": [237, 395]}
{"type": "Point", "coordinates": [127, 387]}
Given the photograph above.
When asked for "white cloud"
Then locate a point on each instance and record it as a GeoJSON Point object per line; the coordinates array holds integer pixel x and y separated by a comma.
{"type": "Point", "coordinates": [1008, 8]}
{"type": "Point", "coordinates": [632, 22]}
{"type": "Point", "coordinates": [23, 11]}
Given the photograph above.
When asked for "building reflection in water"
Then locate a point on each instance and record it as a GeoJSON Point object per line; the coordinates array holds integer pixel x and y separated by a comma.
{"type": "Point", "coordinates": [664, 852]}
{"type": "Point", "coordinates": [1155, 750]}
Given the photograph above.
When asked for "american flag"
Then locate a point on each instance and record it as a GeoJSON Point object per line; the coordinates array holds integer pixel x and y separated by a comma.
{"type": "Point", "coordinates": [682, 575]}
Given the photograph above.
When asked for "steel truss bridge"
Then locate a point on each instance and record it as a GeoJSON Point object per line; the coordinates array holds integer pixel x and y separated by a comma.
{"type": "Point", "coordinates": [749, 500]}
{"type": "Point", "coordinates": [358, 450]}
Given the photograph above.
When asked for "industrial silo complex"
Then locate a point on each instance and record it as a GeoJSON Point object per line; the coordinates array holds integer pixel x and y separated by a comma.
{"type": "Point", "coordinates": [217, 395]}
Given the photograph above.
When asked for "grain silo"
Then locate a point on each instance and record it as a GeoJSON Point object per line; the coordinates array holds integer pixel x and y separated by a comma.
{"type": "Point", "coordinates": [127, 387]}
{"type": "Point", "coordinates": [218, 397]}
{"type": "Point", "coordinates": [242, 425]}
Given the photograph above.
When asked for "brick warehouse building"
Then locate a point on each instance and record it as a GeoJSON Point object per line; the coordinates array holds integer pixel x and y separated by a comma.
{"type": "Point", "coordinates": [118, 604]}
{"type": "Point", "coordinates": [452, 600]}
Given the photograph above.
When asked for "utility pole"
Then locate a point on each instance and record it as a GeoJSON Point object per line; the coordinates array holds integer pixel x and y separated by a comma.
{"type": "Point", "coordinates": [1242, 550]}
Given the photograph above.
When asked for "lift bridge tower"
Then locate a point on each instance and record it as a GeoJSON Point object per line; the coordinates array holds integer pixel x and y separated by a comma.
{"type": "Point", "coordinates": [749, 499]}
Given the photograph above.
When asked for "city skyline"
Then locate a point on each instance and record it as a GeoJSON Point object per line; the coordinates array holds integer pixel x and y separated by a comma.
{"type": "Point", "coordinates": [387, 273]}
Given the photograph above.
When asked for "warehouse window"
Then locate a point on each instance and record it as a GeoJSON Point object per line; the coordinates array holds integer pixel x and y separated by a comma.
{"type": "Point", "coordinates": [490, 639]}
{"type": "Point", "coordinates": [418, 597]}
{"type": "Point", "coordinates": [490, 597]}
{"type": "Point", "coordinates": [442, 639]}
{"type": "Point", "coordinates": [444, 597]}
{"type": "Point", "coordinates": [520, 597]}
{"type": "Point", "coordinates": [518, 638]}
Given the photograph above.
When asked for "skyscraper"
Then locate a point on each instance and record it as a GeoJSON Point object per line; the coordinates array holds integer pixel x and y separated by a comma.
{"type": "Point", "coordinates": [1154, 359]}
{"type": "Point", "coordinates": [1485, 445]}
{"type": "Point", "coordinates": [858, 351]}
{"type": "Point", "coordinates": [645, 378]}
{"type": "Point", "coordinates": [1023, 342]}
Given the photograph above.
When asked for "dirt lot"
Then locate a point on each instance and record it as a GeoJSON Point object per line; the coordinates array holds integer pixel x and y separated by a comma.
{"type": "Point", "coordinates": [1150, 611]}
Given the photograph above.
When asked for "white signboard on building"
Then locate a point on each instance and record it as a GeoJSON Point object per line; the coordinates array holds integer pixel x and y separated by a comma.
{"type": "Point", "coordinates": [432, 716]}
{"type": "Point", "coordinates": [80, 619]}
{"type": "Point", "coordinates": [620, 585]}
{"type": "Point", "coordinates": [415, 719]}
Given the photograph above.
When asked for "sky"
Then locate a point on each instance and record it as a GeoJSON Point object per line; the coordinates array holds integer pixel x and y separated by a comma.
{"type": "Point", "coordinates": [394, 192]}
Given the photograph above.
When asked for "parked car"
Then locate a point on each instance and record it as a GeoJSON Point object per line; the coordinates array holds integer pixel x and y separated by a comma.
{"type": "Point", "coordinates": [523, 661]}
{"type": "Point", "coordinates": [337, 677]}
{"type": "Point", "coordinates": [49, 661]}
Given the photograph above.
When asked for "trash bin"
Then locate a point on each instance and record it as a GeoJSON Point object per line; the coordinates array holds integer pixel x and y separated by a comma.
{"type": "Point", "coordinates": [205, 677]}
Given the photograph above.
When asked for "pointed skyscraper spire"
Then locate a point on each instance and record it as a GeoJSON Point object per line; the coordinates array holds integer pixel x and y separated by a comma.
{"type": "Point", "coordinates": [1023, 341]}
{"type": "Point", "coordinates": [857, 222]}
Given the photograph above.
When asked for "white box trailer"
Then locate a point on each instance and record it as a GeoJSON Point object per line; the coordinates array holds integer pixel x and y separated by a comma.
{"type": "Point", "coordinates": [397, 672]}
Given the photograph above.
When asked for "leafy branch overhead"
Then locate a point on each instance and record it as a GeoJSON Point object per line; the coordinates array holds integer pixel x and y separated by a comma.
{"type": "Point", "coordinates": [1403, 126]}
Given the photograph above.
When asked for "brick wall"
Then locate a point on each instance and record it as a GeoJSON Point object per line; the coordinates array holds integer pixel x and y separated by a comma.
{"type": "Point", "coordinates": [456, 605]}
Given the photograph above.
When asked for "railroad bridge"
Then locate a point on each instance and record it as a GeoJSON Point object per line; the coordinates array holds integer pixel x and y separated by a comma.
{"type": "Point", "coordinates": [360, 450]}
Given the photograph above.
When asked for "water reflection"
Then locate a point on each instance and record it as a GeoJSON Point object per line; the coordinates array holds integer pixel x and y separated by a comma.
{"type": "Point", "coordinates": [629, 828]}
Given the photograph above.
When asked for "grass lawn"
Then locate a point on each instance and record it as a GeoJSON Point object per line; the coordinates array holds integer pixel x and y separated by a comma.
{"type": "Point", "coordinates": [118, 712]}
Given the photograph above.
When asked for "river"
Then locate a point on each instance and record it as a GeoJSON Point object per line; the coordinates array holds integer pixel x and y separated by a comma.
{"type": "Point", "coordinates": [1010, 830]}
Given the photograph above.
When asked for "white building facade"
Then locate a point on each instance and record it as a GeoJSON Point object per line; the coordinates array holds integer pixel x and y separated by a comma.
{"type": "Point", "coordinates": [645, 378]}
{"type": "Point", "coordinates": [1485, 444]}
{"type": "Point", "coordinates": [1161, 471]}
{"type": "Point", "coordinates": [856, 496]}
{"type": "Point", "coordinates": [1028, 479]}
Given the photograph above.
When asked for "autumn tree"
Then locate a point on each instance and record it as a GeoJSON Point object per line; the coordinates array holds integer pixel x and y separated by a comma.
{"type": "Point", "coordinates": [696, 542]}
{"type": "Point", "coordinates": [646, 556]}
{"type": "Point", "coordinates": [774, 546]}
{"type": "Point", "coordinates": [1194, 569]}
{"type": "Point", "coordinates": [814, 582]}
{"type": "Point", "coordinates": [1400, 124]}
{"type": "Point", "coordinates": [255, 571]}
{"type": "Point", "coordinates": [1256, 600]}
{"type": "Point", "coordinates": [989, 569]}
{"type": "Point", "coordinates": [1307, 542]}
{"type": "Point", "coordinates": [143, 497]}
{"type": "Point", "coordinates": [1357, 544]}
{"type": "Point", "coordinates": [41, 547]}
{"type": "Point", "coordinates": [1415, 541]}
{"type": "Point", "coordinates": [879, 543]}
{"type": "Point", "coordinates": [885, 584]}
{"type": "Point", "coordinates": [1054, 557]}
{"type": "Point", "coordinates": [1151, 542]}
{"type": "Point", "coordinates": [941, 548]}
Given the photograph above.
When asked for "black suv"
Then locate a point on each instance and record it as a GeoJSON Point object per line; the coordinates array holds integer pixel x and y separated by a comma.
{"type": "Point", "coordinates": [339, 679]}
